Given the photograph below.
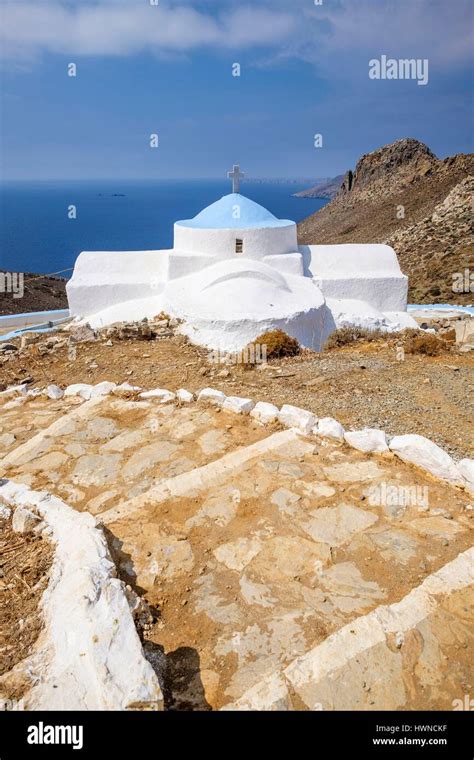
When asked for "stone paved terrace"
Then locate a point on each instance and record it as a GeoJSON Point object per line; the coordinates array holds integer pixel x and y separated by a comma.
{"type": "Point", "coordinates": [281, 569]}
{"type": "Point", "coordinates": [107, 450]}
{"type": "Point", "coordinates": [24, 416]}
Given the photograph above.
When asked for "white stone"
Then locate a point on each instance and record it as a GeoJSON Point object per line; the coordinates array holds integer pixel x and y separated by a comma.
{"type": "Point", "coordinates": [13, 390]}
{"type": "Point", "coordinates": [293, 416]}
{"type": "Point", "coordinates": [237, 554]}
{"type": "Point", "coordinates": [162, 394]}
{"type": "Point", "coordinates": [24, 521]}
{"type": "Point", "coordinates": [7, 440]}
{"type": "Point", "coordinates": [212, 396]}
{"type": "Point", "coordinates": [15, 402]}
{"type": "Point", "coordinates": [186, 397]}
{"type": "Point", "coordinates": [369, 440]}
{"type": "Point", "coordinates": [5, 512]}
{"type": "Point", "coordinates": [79, 389]}
{"type": "Point", "coordinates": [238, 405]}
{"type": "Point", "coordinates": [89, 655]}
{"type": "Point", "coordinates": [336, 525]}
{"type": "Point", "coordinates": [125, 388]}
{"type": "Point", "coordinates": [328, 427]}
{"type": "Point", "coordinates": [265, 412]}
{"type": "Point", "coordinates": [103, 389]}
{"type": "Point", "coordinates": [267, 695]}
{"type": "Point", "coordinates": [285, 499]}
{"type": "Point", "coordinates": [422, 452]}
{"type": "Point", "coordinates": [54, 392]}
{"type": "Point", "coordinates": [466, 469]}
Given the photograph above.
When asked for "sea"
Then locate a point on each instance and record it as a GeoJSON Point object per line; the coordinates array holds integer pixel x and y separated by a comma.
{"type": "Point", "coordinates": [37, 233]}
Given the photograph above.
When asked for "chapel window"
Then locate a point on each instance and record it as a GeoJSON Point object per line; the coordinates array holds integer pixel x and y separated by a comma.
{"type": "Point", "coordinates": [239, 245]}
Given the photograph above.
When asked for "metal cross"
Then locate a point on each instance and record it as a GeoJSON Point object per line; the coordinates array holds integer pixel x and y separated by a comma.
{"type": "Point", "coordinates": [235, 175]}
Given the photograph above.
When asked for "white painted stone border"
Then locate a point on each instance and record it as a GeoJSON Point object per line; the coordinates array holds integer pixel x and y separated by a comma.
{"type": "Point", "coordinates": [318, 666]}
{"type": "Point", "coordinates": [89, 655]}
{"type": "Point", "coordinates": [413, 449]}
{"type": "Point", "coordinates": [312, 675]}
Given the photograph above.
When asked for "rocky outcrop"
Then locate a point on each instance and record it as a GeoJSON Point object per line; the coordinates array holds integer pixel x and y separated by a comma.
{"type": "Point", "coordinates": [347, 182]}
{"type": "Point", "coordinates": [402, 161]}
{"type": "Point", "coordinates": [403, 195]}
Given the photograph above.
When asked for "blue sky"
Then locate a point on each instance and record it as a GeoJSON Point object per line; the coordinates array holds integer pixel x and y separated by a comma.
{"type": "Point", "coordinates": [167, 69]}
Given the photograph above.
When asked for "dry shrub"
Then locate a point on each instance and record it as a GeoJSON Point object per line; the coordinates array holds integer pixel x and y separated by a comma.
{"type": "Point", "coordinates": [352, 334]}
{"type": "Point", "coordinates": [277, 343]}
{"type": "Point", "coordinates": [161, 317]}
{"type": "Point", "coordinates": [428, 344]}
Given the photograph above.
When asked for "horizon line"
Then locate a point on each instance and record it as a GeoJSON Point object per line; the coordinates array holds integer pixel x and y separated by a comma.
{"type": "Point", "coordinates": [292, 178]}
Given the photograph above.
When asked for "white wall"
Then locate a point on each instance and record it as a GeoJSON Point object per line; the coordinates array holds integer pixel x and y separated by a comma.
{"type": "Point", "coordinates": [182, 263]}
{"type": "Point", "coordinates": [258, 242]}
{"type": "Point", "coordinates": [369, 273]}
{"type": "Point", "coordinates": [105, 278]}
{"type": "Point", "coordinates": [291, 263]}
{"type": "Point", "coordinates": [350, 260]}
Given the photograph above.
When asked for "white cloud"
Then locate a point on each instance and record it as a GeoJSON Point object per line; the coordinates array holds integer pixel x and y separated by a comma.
{"type": "Point", "coordinates": [338, 35]}
{"type": "Point", "coordinates": [327, 36]}
{"type": "Point", "coordinates": [414, 28]}
{"type": "Point", "coordinates": [125, 28]}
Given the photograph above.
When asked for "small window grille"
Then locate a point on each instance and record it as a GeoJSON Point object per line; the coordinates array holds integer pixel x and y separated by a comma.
{"type": "Point", "coordinates": [239, 246]}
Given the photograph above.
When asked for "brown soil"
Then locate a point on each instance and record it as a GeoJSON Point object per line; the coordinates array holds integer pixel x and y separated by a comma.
{"type": "Point", "coordinates": [360, 385]}
{"type": "Point", "coordinates": [41, 293]}
{"type": "Point", "coordinates": [25, 561]}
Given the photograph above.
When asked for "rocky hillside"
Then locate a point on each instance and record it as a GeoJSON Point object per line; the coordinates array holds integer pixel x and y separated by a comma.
{"type": "Point", "coordinates": [40, 293]}
{"type": "Point", "coordinates": [403, 195]}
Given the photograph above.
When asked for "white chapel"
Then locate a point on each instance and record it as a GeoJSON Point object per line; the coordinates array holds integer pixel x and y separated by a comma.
{"type": "Point", "coordinates": [236, 271]}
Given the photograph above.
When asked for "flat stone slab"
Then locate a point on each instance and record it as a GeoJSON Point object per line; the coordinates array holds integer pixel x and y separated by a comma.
{"type": "Point", "coordinates": [336, 525]}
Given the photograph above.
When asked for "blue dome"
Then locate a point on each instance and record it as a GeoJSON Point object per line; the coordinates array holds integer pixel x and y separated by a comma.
{"type": "Point", "coordinates": [221, 215]}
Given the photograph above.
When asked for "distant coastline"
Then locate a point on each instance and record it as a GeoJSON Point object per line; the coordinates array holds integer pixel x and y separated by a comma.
{"type": "Point", "coordinates": [324, 188]}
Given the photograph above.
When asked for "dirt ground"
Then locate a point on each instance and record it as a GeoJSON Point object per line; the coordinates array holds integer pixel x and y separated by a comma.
{"type": "Point", "coordinates": [40, 293]}
{"type": "Point", "coordinates": [24, 566]}
{"type": "Point", "coordinates": [360, 385]}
